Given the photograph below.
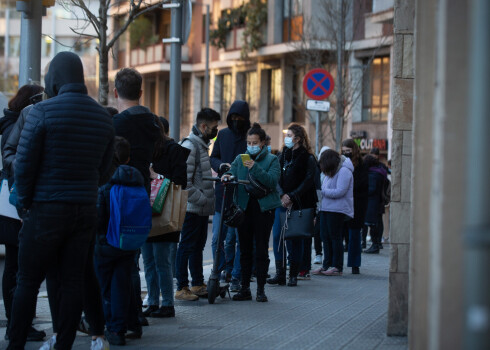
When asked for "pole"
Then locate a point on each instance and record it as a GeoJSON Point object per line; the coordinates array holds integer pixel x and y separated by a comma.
{"type": "Point", "coordinates": [30, 42]}
{"type": "Point", "coordinates": [6, 48]}
{"type": "Point", "coordinates": [206, 74]}
{"type": "Point", "coordinates": [317, 143]}
{"type": "Point", "coordinates": [339, 83]}
{"type": "Point", "coordinates": [477, 235]}
{"type": "Point", "coordinates": [175, 71]}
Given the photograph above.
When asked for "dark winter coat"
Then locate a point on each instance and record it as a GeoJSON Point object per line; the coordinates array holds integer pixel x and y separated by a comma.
{"type": "Point", "coordinates": [125, 175]}
{"type": "Point", "coordinates": [139, 126]}
{"type": "Point", "coordinates": [361, 190]}
{"type": "Point", "coordinates": [229, 144]}
{"type": "Point", "coordinates": [299, 169]}
{"type": "Point", "coordinates": [6, 125]}
{"type": "Point", "coordinates": [9, 149]}
{"type": "Point", "coordinates": [377, 177]}
{"type": "Point", "coordinates": [172, 164]}
{"type": "Point", "coordinates": [67, 142]}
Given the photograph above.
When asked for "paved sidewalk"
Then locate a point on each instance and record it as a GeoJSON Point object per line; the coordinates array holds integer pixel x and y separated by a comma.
{"type": "Point", "coordinates": [347, 312]}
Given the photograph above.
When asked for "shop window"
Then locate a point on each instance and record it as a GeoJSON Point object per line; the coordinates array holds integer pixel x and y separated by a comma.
{"type": "Point", "coordinates": [376, 90]}
{"type": "Point", "coordinates": [274, 98]}
{"type": "Point", "coordinates": [292, 28]}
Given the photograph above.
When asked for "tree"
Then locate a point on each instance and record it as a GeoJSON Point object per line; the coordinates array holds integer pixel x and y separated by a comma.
{"type": "Point", "coordinates": [330, 48]}
{"type": "Point", "coordinates": [126, 10]}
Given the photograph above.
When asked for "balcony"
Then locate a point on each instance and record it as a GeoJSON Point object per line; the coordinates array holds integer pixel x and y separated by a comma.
{"type": "Point", "coordinates": [158, 53]}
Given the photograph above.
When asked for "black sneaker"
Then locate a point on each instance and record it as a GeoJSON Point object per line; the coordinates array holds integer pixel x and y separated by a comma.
{"type": "Point", "coordinates": [35, 335]}
{"type": "Point", "coordinates": [149, 310]}
{"type": "Point", "coordinates": [243, 294]}
{"type": "Point", "coordinates": [136, 332]}
{"type": "Point", "coordinates": [115, 338]}
{"type": "Point", "coordinates": [164, 311]}
{"type": "Point", "coordinates": [355, 271]}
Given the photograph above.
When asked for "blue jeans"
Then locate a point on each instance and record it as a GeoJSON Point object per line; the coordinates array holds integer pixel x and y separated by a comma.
{"type": "Point", "coordinates": [189, 254]}
{"type": "Point", "coordinates": [230, 259]}
{"type": "Point", "coordinates": [294, 246]}
{"type": "Point", "coordinates": [113, 268]}
{"type": "Point", "coordinates": [331, 231]}
{"type": "Point", "coordinates": [158, 258]}
{"type": "Point", "coordinates": [355, 249]}
{"type": "Point", "coordinates": [55, 237]}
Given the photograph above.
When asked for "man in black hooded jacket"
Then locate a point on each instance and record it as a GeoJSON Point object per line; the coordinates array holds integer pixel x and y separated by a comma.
{"type": "Point", "coordinates": [65, 147]}
{"type": "Point", "coordinates": [230, 142]}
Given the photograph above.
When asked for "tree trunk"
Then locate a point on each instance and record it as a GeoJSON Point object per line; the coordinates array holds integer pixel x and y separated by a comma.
{"type": "Point", "coordinates": [103, 76]}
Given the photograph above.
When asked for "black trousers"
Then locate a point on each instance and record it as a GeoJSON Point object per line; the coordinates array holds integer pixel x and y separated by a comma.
{"type": "Point", "coordinates": [256, 228]}
{"type": "Point", "coordinates": [55, 237]}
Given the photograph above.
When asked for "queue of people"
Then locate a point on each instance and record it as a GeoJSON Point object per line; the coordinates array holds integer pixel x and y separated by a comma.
{"type": "Point", "coordinates": [66, 155]}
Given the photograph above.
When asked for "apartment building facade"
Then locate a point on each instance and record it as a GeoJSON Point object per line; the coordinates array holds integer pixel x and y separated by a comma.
{"type": "Point", "coordinates": [57, 35]}
{"type": "Point", "coordinates": [297, 35]}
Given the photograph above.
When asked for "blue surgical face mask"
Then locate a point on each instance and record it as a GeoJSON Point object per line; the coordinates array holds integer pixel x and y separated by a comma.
{"type": "Point", "coordinates": [288, 141]}
{"type": "Point", "coordinates": [269, 148]}
{"type": "Point", "coordinates": [253, 150]}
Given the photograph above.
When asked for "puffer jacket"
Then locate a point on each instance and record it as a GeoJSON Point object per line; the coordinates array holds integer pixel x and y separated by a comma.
{"type": "Point", "coordinates": [67, 142]}
{"type": "Point", "coordinates": [200, 198]}
{"type": "Point", "coordinates": [337, 191]}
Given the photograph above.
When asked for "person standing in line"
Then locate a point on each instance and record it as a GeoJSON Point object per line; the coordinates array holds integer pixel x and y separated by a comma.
{"type": "Point", "coordinates": [159, 252]}
{"type": "Point", "coordinates": [337, 206]}
{"type": "Point", "coordinates": [138, 125]}
{"type": "Point", "coordinates": [375, 209]}
{"type": "Point", "coordinates": [9, 228]}
{"type": "Point", "coordinates": [200, 204]}
{"type": "Point", "coordinates": [351, 150]}
{"type": "Point", "coordinates": [230, 142]}
{"type": "Point", "coordinates": [56, 196]}
{"type": "Point", "coordinates": [264, 168]}
{"type": "Point", "coordinates": [297, 190]}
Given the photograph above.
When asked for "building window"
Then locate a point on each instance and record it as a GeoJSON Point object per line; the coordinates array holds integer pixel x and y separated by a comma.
{"type": "Point", "coordinates": [2, 45]}
{"type": "Point", "coordinates": [251, 95]}
{"type": "Point", "coordinates": [14, 46]}
{"type": "Point", "coordinates": [376, 90]}
{"type": "Point", "coordinates": [274, 96]}
{"type": "Point", "coordinates": [292, 28]}
{"type": "Point", "coordinates": [185, 101]}
{"type": "Point", "coordinates": [225, 94]}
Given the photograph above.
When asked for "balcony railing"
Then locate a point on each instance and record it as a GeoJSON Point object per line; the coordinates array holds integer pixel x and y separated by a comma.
{"type": "Point", "coordinates": [158, 53]}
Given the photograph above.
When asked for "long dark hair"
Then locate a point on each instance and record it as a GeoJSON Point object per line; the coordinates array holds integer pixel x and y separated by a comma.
{"type": "Point", "coordinates": [300, 132]}
{"type": "Point", "coordinates": [23, 96]}
{"type": "Point", "coordinates": [329, 162]}
{"type": "Point", "coordinates": [162, 140]}
{"type": "Point", "coordinates": [356, 152]}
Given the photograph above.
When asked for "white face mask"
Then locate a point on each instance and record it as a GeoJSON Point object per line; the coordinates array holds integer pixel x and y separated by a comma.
{"type": "Point", "coordinates": [288, 141]}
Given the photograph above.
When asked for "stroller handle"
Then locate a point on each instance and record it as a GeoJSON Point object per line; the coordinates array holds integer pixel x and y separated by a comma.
{"type": "Point", "coordinates": [231, 182]}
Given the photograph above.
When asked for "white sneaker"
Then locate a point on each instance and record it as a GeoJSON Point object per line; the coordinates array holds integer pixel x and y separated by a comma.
{"type": "Point", "coordinates": [145, 301]}
{"type": "Point", "coordinates": [49, 345]}
{"type": "Point", "coordinates": [99, 344]}
{"type": "Point", "coordinates": [318, 259]}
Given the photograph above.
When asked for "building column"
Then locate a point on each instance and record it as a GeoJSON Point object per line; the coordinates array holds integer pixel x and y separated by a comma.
{"type": "Point", "coordinates": [402, 102]}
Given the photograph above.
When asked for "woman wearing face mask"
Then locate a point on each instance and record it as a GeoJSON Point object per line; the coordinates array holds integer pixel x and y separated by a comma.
{"type": "Point", "coordinates": [361, 182]}
{"type": "Point", "coordinates": [297, 190]}
{"type": "Point", "coordinates": [263, 168]}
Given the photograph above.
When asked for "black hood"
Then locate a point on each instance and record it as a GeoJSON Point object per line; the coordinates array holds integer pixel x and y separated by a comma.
{"type": "Point", "coordinates": [128, 176]}
{"type": "Point", "coordinates": [241, 108]}
{"type": "Point", "coordinates": [65, 68]}
{"type": "Point", "coordinates": [10, 117]}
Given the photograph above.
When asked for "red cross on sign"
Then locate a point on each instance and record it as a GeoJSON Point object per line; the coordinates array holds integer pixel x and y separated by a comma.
{"type": "Point", "coordinates": [318, 84]}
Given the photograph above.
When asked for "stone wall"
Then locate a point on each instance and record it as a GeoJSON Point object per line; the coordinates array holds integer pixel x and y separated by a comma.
{"type": "Point", "coordinates": [402, 104]}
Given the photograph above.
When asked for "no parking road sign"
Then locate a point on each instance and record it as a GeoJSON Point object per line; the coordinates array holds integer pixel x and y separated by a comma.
{"type": "Point", "coordinates": [318, 84]}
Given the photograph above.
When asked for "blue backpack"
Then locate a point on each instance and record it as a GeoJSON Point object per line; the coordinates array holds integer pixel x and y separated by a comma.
{"type": "Point", "coordinates": [130, 220]}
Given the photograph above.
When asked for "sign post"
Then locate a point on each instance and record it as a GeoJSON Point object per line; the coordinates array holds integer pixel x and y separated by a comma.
{"type": "Point", "coordinates": [318, 84]}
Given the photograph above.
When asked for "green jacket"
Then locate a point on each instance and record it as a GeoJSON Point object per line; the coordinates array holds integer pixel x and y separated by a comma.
{"type": "Point", "coordinates": [267, 171]}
